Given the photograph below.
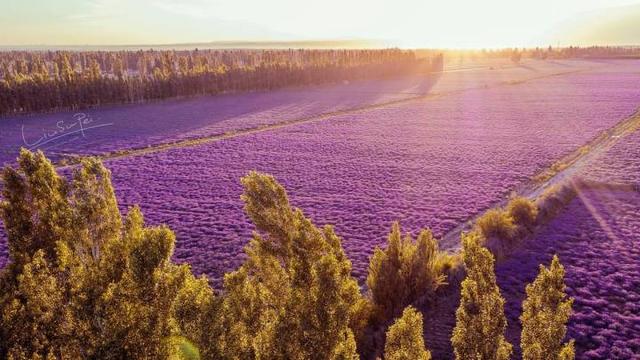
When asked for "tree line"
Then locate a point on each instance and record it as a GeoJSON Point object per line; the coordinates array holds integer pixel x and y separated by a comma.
{"type": "Point", "coordinates": [52, 80]}
{"type": "Point", "coordinates": [85, 282]}
{"type": "Point", "coordinates": [540, 53]}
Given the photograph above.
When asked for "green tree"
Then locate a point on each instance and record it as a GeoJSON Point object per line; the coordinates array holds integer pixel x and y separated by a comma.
{"type": "Point", "coordinates": [36, 319]}
{"type": "Point", "coordinates": [294, 297]}
{"type": "Point", "coordinates": [404, 338]}
{"type": "Point", "coordinates": [385, 278]}
{"type": "Point", "coordinates": [480, 319]}
{"type": "Point", "coordinates": [422, 272]}
{"type": "Point", "coordinates": [403, 272]}
{"type": "Point", "coordinates": [80, 282]}
{"type": "Point", "coordinates": [546, 311]}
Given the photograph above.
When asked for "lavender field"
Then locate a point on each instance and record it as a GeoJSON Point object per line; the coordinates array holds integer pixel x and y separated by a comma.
{"type": "Point", "coordinates": [112, 128]}
{"type": "Point", "coordinates": [427, 162]}
{"type": "Point", "coordinates": [596, 238]}
{"type": "Point", "coordinates": [618, 165]}
{"type": "Point", "coordinates": [406, 180]}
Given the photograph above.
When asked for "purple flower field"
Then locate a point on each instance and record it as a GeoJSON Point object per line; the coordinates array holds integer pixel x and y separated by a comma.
{"type": "Point", "coordinates": [597, 239]}
{"type": "Point", "coordinates": [134, 126]}
{"type": "Point", "coordinates": [429, 163]}
{"type": "Point", "coordinates": [619, 165]}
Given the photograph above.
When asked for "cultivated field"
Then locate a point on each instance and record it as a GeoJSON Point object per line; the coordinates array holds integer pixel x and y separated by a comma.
{"type": "Point", "coordinates": [431, 152]}
{"type": "Point", "coordinates": [114, 128]}
{"type": "Point", "coordinates": [428, 162]}
{"type": "Point", "coordinates": [596, 238]}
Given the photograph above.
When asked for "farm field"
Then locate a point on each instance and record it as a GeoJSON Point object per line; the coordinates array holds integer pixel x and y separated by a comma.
{"type": "Point", "coordinates": [112, 128]}
{"type": "Point", "coordinates": [237, 180]}
{"type": "Point", "coordinates": [596, 238]}
{"type": "Point", "coordinates": [428, 163]}
{"type": "Point", "coordinates": [619, 165]}
{"type": "Point", "coordinates": [359, 171]}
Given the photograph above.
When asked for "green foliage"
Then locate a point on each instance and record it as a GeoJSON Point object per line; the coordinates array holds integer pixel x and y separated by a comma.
{"type": "Point", "coordinates": [497, 223]}
{"type": "Point", "coordinates": [35, 319]}
{"type": "Point", "coordinates": [524, 212]}
{"type": "Point", "coordinates": [480, 319]}
{"type": "Point", "coordinates": [294, 296]}
{"type": "Point", "coordinates": [554, 199]}
{"type": "Point", "coordinates": [404, 338]}
{"type": "Point", "coordinates": [183, 349]}
{"type": "Point", "coordinates": [501, 229]}
{"type": "Point", "coordinates": [80, 283]}
{"type": "Point", "coordinates": [404, 271]}
{"type": "Point", "coordinates": [546, 311]}
{"type": "Point", "coordinates": [35, 209]}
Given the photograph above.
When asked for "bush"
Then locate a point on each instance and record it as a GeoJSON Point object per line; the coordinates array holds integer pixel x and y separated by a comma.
{"type": "Point", "coordinates": [497, 228]}
{"type": "Point", "coordinates": [404, 338]}
{"type": "Point", "coordinates": [503, 228]}
{"type": "Point", "coordinates": [554, 199]}
{"type": "Point", "coordinates": [451, 266]}
{"type": "Point", "coordinates": [524, 212]}
{"type": "Point", "coordinates": [403, 272]}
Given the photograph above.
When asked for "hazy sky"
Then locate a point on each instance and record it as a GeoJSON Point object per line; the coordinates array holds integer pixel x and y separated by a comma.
{"type": "Point", "coordinates": [408, 23]}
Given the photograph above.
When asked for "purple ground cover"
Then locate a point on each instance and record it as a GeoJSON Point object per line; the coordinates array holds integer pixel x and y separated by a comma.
{"type": "Point", "coordinates": [427, 163]}
{"type": "Point", "coordinates": [133, 126]}
{"type": "Point", "coordinates": [619, 165]}
{"type": "Point", "coordinates": [598, 241]}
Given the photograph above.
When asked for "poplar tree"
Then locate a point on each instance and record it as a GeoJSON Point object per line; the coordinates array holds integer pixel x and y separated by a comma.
{"type": "Point", "coordinates": [294, 297]}
{"type": "Point", "coordinates": [384, 280]}
{"type": "Point", "coordinates": [81, 283]}
{"type": "Point", "coordinates": [480, 319]}
{"type": "Point", "coordinates": [404, 339]}
{"type": "Point", "coordinates": [403, 272]}
{"type": "Point", "coordinates": [546, 311]}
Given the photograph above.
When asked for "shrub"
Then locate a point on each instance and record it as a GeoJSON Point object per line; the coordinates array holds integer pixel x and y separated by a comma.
{"type": "Point", "coordinates": [496, 223]}
{"type": "Point", "coordinates": [546, 311]}
{"type": "Point", "coordinates": [404, 338]}
{"type": "Point", "coordinates": [523, 211]}
{"type": "Point", "coordinates": [480, 319]}
{"type": "Point", "coordinates": [403, 272]}
{"type": "Point", "coordinates": [451, 266]}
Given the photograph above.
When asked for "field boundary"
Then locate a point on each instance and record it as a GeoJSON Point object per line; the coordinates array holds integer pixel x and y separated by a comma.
{"type": "Point", "coordinates": [73, 159]}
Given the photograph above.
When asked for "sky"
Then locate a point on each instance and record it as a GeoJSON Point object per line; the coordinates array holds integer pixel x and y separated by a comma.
{"type": "Point", "coordinates": [402, 23]}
